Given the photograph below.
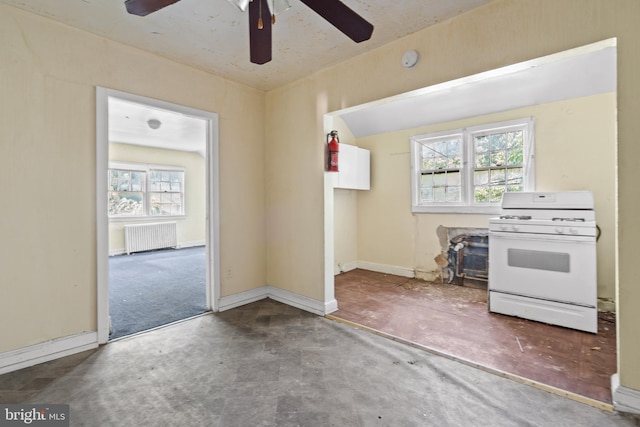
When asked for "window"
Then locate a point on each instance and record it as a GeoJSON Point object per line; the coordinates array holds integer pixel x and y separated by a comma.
{"type": "Point", "coordinates": [141, 190]}
{"type": "Point", "coordinates": [468, 170]}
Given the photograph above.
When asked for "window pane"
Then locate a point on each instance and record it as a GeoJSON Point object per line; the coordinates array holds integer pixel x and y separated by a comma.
{"type": "Point", "coordinates": [426, 194]}
{"type": "Point", "coordinates": [482, 160]}
{"type": "Point", "coordinates": [441, 162]}
{"type": "Point", "coordinates": [454, 153]}
{"type": "Point", "coordinates": [125, 204]}
{"type": "Point", "coordinates": [426, 180]}
{"type": "Point", "coordinates": [439, 194]}
{"type": "Point", "coordinates": [514, 176]}
{"type": "Point", "coordinates": [429, 164]}
{"type": "Point", "coordinates": [496, 194]}
{"type": "Point", "coordinates": [515, 156]}
{"type": "Point", "coordinates": [497, 176]}
{"type": "Point", "coordinates": [498, 141]}
{"type": "Point", "coordinates": [481, 144]}
{"type": "Point", "coordinates": [165, 186]}
{"type": "Point", "coordinates": [481, 177]}
{"type": "Point", "coordinates": [497, 158]}
{"type": "Point", "coordinates": [481, 194]}
{"type": "Point", "coordinates": [439, 179]}
{"type": "Point", "coordinates": [454, 194]}
{"type": "Point", "coordinates": [515, 139]}
{"type": "Point", "coordinates": [454, 179]}
{"type": "Point", "coordinates": [137, 180]}
{"type": "Point", "coordinates": [123, 181]}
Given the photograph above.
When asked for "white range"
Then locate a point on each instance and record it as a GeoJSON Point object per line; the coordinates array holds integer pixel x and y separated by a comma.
{"type": "Point", "coordinates": [542, 259]}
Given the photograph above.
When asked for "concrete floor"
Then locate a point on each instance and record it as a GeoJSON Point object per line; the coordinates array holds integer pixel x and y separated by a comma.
{"type": "Point", "coordinates": [268, 364]}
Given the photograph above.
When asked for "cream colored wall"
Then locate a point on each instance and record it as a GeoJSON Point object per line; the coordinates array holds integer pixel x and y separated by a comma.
{"type": "Point", "coordinates": [501, 33]}
{"type": "Point", "coordinates": [47, 162]}
{"type": "Point", "coordinates": [345, 212]}
{"type": "Point", "coordinates": [191, 228]}
{"type": "Point", "coordinates": [575, 150]}
{"type": "Point", "coordinates": [345, 229]}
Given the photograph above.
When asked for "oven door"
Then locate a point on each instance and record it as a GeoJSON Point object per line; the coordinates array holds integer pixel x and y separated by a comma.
{"type": "Point", "coordinates": [547, 267]}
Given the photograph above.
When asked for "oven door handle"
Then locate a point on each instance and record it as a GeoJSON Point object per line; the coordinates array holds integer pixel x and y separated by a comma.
{"type": "Point", "coordinates": [542, 237]}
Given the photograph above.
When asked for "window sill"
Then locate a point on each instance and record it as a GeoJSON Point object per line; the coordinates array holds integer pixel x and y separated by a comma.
{"type": "Point", "coordinates": [479, 210]}
{"type": "Point", "coordinates": [145, 218]}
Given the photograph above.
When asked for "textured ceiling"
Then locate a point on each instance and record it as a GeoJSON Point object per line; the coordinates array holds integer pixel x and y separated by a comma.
{"type": "Point", "coordinates": [214, 35]}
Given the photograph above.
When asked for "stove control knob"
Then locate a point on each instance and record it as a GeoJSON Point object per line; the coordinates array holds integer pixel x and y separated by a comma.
{"type": "Point", "coordinates": [515, 227]}
{"type": "Point", "coordinates": [559, 230]}
{"type": "Point", "coordinates": [573, 230]}
{"type": "Point", "coordinates": [503, 227]}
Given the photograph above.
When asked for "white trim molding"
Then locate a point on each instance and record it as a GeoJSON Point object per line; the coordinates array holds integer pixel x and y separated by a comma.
{"type": "Point", "coordinates": [387, 269]}
{"type": "Point", "coordinates": [290, 298]}
{"type": "Point", "coordinates": [411, 273]}
{"type": "Point", "coordinates": [624, 399]}
{"type": "Point", "coordinates": [212, 238]}
{"type": "Point", "coordinates": [303, 303]}
{"type": "Point", "coordinates": [344, 267]}
{"type": "Point", "coordinates": [242, 298]}
{"type": "Point", "coordinates": [46, 351]}
{"type": "Point", "coordinates": [182, 245]}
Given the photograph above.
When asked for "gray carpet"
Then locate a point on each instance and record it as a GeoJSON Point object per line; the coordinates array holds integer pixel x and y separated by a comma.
{"type": "Point", "coordinates": [268, 364]}
{"type": "Point", "coordinates": [150, 289]}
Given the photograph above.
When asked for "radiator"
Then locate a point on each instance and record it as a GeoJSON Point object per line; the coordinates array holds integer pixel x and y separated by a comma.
{"type": "Point", "coordinates": [145, 237]}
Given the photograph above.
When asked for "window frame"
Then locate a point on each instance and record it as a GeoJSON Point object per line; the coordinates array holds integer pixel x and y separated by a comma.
{"type": "Point", "coordinates": [467, 169]}
{"type": "Point", "coordinates": [147, 191]}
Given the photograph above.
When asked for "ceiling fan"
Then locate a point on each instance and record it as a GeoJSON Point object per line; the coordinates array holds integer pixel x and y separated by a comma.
{"type": "Point", "coordinates": [262, 17]}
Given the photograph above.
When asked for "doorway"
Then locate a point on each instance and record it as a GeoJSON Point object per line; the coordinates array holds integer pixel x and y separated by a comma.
{"type": "Point", "coordinates": [157, 168]}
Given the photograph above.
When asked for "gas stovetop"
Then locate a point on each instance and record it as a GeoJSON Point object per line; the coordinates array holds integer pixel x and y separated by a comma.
{"type": "Point", "coordinates": [561, 213]}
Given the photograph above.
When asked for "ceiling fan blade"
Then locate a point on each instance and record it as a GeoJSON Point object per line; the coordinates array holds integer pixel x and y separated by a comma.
{"type": "Point", "coordinates": [343, 18]}
{"type": "Point", "coordinates": [259, 38]}
{"type": "Point", "coordinates": [145, 7]}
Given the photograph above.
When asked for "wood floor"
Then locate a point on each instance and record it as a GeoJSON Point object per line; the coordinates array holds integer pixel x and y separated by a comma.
{"type": "Point", "coordinates": [454, 320]}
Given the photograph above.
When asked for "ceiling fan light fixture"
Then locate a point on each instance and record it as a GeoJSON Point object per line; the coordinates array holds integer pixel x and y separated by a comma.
{"type": "Point", "coordinates": [277, 6]}
{"type": "Point", "coordinates": [242, 4]}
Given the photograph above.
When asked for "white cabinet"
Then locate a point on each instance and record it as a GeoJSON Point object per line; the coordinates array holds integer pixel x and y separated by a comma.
{"type": "Point", "coordinates": [354, 166]}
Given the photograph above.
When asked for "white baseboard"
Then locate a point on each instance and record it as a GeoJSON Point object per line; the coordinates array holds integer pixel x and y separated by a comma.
{"type": "Point", "coordinates": [181, 245]}
{"type": "Point", "coordinates": [330, 306]}
{"type": "Point", "coordinates": [54, 349]}
{"type": "Point", "coordinates": [387, 269]}
{"type": "Point", "coordinates": [191, 244]}
{"type": "Point", "coordinates": [290, 298]}
{"type": "Point", "coordinates": [430, 276]}
{"type": "Point", "coordinates": [624, 399]}
{"type": "Point", "coordinates": [242, 298]}
{"type": "Point", "coordinates": [46, 351]}
{"type": "Point", "coordinates": [343, 267]}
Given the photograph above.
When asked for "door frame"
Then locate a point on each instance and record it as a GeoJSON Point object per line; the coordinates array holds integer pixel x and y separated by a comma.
{"type": "Point", "coordinates": [212, 216]}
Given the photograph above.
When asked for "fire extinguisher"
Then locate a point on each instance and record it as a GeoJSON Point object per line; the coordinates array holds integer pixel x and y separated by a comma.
{"type": "Point", "coordinates": [333, 149]}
